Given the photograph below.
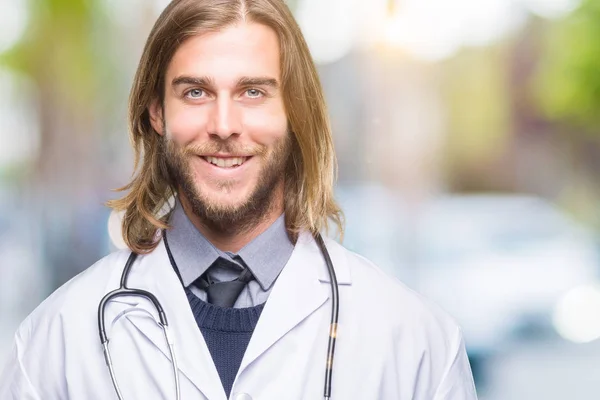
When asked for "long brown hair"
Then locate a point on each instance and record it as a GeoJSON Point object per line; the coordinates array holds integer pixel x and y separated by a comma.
{"type": "Point", "coordinates": [310, 173]}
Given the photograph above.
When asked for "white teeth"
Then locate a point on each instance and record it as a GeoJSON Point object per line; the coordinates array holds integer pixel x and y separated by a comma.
{"type": "Point", "coordinates": [226, 162]}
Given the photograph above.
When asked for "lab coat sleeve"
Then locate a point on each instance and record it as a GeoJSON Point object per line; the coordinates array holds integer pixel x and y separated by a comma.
{"type": "Point", "coordinates": [34, 369]}
{"type": "Point", "coordinates": [457, 381]}
{"type": "Point", "coordinates": [14, 381]}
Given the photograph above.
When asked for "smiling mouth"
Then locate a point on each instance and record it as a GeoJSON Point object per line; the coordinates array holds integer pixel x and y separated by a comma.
{"type": "Point", "coordinates": [226, 162]}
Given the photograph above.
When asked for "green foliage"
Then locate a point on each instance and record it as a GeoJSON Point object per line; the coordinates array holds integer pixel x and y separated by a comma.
{"type": "Point", "coordinates": [568, 84]}
{"type": "Point", "coordinates": [476, 91]}
{"type": "Point", "coordinates": [57, 48]}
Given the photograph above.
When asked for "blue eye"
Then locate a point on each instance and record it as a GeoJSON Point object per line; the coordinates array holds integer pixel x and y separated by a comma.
{"type": "Point", "coordinates": [253, 93]}
{"type": "Point", "coordinates": [195, 93]}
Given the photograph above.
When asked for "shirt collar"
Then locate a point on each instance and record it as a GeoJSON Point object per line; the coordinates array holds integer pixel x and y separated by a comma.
{"type": "Point", "coordinates": [265, 256]}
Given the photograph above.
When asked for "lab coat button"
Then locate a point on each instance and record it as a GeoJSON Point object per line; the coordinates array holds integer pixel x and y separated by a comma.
{"type": "Point", "coordinates": [243, 396]}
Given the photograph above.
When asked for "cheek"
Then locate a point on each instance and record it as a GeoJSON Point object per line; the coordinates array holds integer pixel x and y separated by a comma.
{"type": "Point", "coordinates": [267, 128]}
{"type": "Point", "coordinates": [184, 124]}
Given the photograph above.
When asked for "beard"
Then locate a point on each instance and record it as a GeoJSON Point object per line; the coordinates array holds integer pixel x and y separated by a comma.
{"type": "Point", "coordinates": [224, 218]}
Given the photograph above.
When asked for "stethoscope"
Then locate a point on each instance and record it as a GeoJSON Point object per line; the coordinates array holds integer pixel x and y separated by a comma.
{"type": "Point", "coordinates": [123, 290]}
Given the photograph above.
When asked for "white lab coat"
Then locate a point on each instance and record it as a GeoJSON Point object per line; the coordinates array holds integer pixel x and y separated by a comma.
{"type": "Point", "coordinates": [392, 343]}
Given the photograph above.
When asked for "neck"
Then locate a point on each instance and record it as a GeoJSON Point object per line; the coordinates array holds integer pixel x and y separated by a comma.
{"type": "Point", "coordinates": [233, 241]}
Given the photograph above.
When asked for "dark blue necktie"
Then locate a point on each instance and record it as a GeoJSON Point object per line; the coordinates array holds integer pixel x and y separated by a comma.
{"type": "Point", "coordinates": [223, 294]}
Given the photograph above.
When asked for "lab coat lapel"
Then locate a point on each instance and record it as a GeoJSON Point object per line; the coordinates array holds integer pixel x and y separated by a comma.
{"type": "Point", "coordinates": [297, 293]}
{"type": "Point", "coordinates": [155, 274]}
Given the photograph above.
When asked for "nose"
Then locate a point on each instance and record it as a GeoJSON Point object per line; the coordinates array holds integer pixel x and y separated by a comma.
{"type": "Point", "coordinates": [225, 119]}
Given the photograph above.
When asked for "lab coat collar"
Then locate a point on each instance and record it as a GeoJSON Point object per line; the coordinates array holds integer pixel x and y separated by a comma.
{"type": "Point", "coordinates": [298, 292]}
{"type": "Point", "coordinates": [338, 256]}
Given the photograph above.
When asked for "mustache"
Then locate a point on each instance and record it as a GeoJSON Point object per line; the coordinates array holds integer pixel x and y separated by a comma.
{"type": "Point", "coordinates": [225, 147]}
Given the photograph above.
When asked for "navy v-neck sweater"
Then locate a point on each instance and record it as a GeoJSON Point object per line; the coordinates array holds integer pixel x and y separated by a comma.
{"type": "Point", "coordinates": [227, 332]}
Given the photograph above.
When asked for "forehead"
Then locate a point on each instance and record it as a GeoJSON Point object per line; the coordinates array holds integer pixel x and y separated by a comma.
{"type": "Point", "coordinates": [243, 49]}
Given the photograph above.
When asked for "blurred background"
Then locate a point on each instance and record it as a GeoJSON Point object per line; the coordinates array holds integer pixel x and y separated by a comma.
{"type": "Point", "coordinates": [468, 138]}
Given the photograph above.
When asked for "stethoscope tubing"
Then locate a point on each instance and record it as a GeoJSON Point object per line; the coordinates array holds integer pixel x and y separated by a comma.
{"type": "Point", "coordinates": [335, 310]}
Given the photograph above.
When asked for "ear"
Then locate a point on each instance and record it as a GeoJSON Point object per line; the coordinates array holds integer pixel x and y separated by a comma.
{"type": "Point", "coordinates": [156, 116]}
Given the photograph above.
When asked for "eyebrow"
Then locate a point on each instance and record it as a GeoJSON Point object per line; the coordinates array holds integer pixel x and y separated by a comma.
{"type": "Point", "coordinates": [258, 81]}
{"type": "Point", "coordinates": [242, 82]}
{"type": "Point", "coordinates": [192, 80]}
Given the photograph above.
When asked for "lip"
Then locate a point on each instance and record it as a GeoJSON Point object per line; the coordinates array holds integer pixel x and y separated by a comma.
{"type": "Point", "coordinates": [220, 155]}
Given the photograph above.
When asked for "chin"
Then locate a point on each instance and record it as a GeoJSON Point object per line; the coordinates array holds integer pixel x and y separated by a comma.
{"type": "Point", "coordinates": [226, 200]}
{"type": "Point", "coordinates": [230, 205]}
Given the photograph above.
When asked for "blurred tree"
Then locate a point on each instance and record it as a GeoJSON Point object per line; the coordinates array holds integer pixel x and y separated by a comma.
{"type": "Point", "coordinates": [61, 53]}
{"type": "Point", "coordinates": [567, 90]}
{"type": "Point", "coordinates": [568, 83]}
{"type": "Point", "coordinates": [475, 85]}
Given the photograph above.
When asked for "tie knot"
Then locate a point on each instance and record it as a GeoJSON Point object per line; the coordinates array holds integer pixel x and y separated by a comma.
{"type": "Point", "coordinates": [217, 281]}
{"type": "Point", "coordinates": [224, 270]}
{"type": "Point", "coordinates": [222, 262]}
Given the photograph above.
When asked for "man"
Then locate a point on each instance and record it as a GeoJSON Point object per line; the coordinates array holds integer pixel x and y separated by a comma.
{"type": "Point", "coordinates": [227, 115]}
